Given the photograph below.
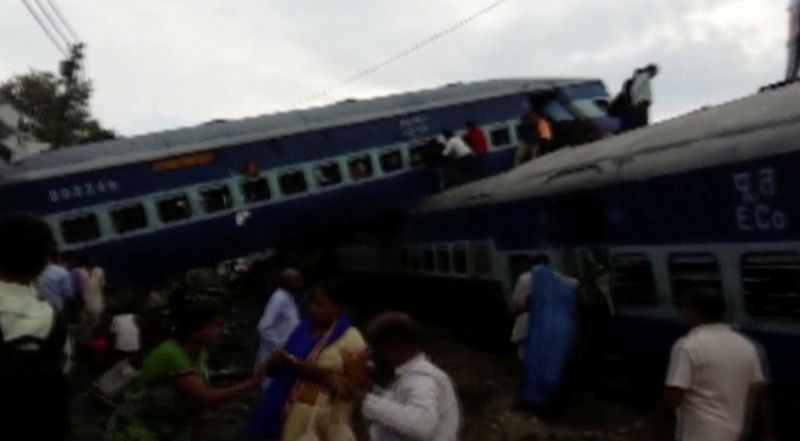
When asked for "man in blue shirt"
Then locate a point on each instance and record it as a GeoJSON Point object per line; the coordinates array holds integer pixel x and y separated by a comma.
{"type": "Point", "coordinates": [55, 284]}
{"type": "Point", "coordinates": [280, 316]}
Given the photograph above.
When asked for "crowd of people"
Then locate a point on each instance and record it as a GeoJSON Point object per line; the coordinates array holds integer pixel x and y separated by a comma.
{"type": "Point", "coordinates": [318, 376]}
{"type": "Point", "coordinates": [716, 382]}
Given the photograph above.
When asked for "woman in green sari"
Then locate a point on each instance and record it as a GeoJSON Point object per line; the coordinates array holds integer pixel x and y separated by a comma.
{"type": "Point", "coordinates": [171, 391]}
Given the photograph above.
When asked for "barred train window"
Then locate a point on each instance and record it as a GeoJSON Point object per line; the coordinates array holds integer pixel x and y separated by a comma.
{"type": "Point", "coordinates": [771, 284]}
{"type": "Point", "coordinates": [216, 199]}
{"type": "Point", "coordinates": [328, 174]}
{"type": "Point", "coordinates": [129, 218]}
{"type": "Point", "coordinates": [415, 262]}
{"type": "Point", "coordinates": [427, 259]}
{"type": "Point", "coordinates": [443, 263]}
{"type": "Point", "coordinates": [292, 182]}
{"type": "Point", "coordinates": [518, 264]}
{"type": "Point", "coordinates": [405, 258]}
{"type": "Point", "coordinates": [80, 228]}
{"type": "Point", "coordinates": [500, 137]}
{"type": "Point", "coordinates": [632, 280]}
{"type": "Point", "coordinates": [481, 258]}
{"type": "Point", "coordinates": [360, 167]}
{"type": "Point", "coordinates": [391, 161]}
{"type": "Point", "coordinates": [460, 259]}
{"type": "Point", "coordinates": [255, 190]}
{"type": "Point", "coordinates": [692, 270]}
{"type": "Point", "coordinates": [174, 208]}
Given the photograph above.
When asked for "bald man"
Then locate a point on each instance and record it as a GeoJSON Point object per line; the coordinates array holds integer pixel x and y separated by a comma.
{"type": "Point", "coordinates": [280, 316]}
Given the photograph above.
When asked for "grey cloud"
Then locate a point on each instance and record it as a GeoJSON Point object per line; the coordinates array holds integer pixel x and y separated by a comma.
{"type": "Point", "coordinates": [160, 64]}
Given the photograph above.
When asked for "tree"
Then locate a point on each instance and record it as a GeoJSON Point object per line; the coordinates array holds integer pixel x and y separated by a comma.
{"type": "Point", "coordinates": [56, 111]}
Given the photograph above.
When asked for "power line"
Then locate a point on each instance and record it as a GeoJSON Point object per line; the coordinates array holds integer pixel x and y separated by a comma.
{"type": "Point", "coordinates": [44, 28]}
{"type": "Point", "coordinates": [64, 21]}
{"type": "Point", "coordinates": [53, 23]}
{"type": "Point", "coordinates": [403, 53]}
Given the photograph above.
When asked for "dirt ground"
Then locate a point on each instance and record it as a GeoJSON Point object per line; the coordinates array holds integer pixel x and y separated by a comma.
{"type": "Point", "coordinates": [486, 385]}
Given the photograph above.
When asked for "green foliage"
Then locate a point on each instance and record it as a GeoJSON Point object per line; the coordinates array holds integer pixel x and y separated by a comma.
{"type": "Point", "coordinates": [55, 111]}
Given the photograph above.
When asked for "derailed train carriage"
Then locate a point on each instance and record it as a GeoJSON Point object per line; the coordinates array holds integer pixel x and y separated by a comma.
{"type": "Point", "coordinates": [150, 206]}
{"type": "Point", "coordinates": [708, 199]}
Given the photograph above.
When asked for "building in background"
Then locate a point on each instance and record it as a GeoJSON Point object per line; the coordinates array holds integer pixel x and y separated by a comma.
{"type": "Point", "coordinates": [15, 142]}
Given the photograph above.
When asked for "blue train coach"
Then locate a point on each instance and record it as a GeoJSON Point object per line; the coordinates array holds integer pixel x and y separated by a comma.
{"type": "Point", "coordinates": [151, 205]}
{"type": "Point", "coordinates": [705, 200]}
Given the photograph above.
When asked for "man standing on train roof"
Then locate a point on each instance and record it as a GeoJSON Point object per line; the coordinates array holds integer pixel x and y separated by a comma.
{"type": "Point", "coordinates": [715, 380]}
{"type": "Point", "coordinates": [280, 316]}
{"type": "Point", "coordinates": [793, 42]}
{"type": "Point", "coordinates": [641, 94]}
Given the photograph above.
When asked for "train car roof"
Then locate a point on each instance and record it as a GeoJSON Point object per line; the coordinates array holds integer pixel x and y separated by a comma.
{"type": "Point", "coordinates": [755, 126]}
{"type": "Point", "coordinates": [221, 133]}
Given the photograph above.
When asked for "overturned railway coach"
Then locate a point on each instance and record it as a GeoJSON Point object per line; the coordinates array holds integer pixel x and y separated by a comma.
{"type": "Point", "coordinates": [707, 199]}
{"type": "Point", "coordinates": [151, 205]}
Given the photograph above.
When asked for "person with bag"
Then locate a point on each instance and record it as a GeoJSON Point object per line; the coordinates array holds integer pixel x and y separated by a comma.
{"type": "Point", "coordinates": [171, 390]}
{"type": "Point", "coordinates": [307, 397]}
{"type": "Point", "coordinates": [35, 394]}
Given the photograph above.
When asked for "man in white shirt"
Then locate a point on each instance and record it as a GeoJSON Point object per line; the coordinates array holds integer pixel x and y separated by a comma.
{"type": "Point", "coordinates": [420, 403]}
{"type": "Point", "coordinates": [715, 379]}
{"type": "Point", "coordinates": [793, 42]}
{"type": "Point", "coordinates": [642, 94]}
{"type": "Point", "coordinates": [454, 146]}
{"type": "Point", "coordinates": [280, 316]}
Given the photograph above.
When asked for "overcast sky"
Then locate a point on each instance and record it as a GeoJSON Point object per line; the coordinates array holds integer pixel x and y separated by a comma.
{"type": "Point", "coordinates": [161, 64]}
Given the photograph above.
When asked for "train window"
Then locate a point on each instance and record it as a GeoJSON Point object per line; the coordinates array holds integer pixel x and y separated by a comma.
{"type": "Point", "coordinates": [443, 264]}
{"type": "Point", "coordinates": [216, 199]}
{"type": "Point", "coordinates": [632, 280]}
{"type": "Point", "coordinates": [427, 260]}
{"type": "Point", "coordinates": [130, 218]}
{"type": "Point", "coordinates": [391, 161]}
{"type": "Point", "coordinates": [255, 190]}
{"type": "Point", "coordinates": [500, 136]}
{"type": "Point", "coordinates": [519, 264]}
{"type": "Point", "coordinates": [692, 270]}
{"type": "Point", "coordinates": [292, 182]}
{"type": "Point", "coordinates": [481, 258]}
{"type": "Point", "coordinates": [417, 155]}
{"type": "Point", "coordinates": [771, 285]}
{"type": "Point", "coordinates": [80, 228]}
{"type": "Point", "coordinates": [405, 258]}
{"type": "Point", "coordinates": [460, 259]}
{"type": "Point", "coordinates": [360, 167]}
{"type": "Point", "coordinates": [414, 261]}
{"type": "Point", "coordinates": [328, 174]}
{"type": "Point", "coordinates": [174, 208]}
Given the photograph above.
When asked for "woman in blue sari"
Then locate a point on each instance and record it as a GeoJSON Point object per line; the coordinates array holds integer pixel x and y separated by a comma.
{"type": "Point", "coordinates": [307, 390]}
{"type": "Point", "coordinates": [552, 327]}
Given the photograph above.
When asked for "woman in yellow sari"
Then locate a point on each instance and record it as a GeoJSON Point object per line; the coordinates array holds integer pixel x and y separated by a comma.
{"type": "Point", "coordinates": [307, 393]}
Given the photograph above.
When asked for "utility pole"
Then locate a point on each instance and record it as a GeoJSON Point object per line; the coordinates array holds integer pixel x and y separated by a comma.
{"type": "Point", "coordinates": [68, 69]}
